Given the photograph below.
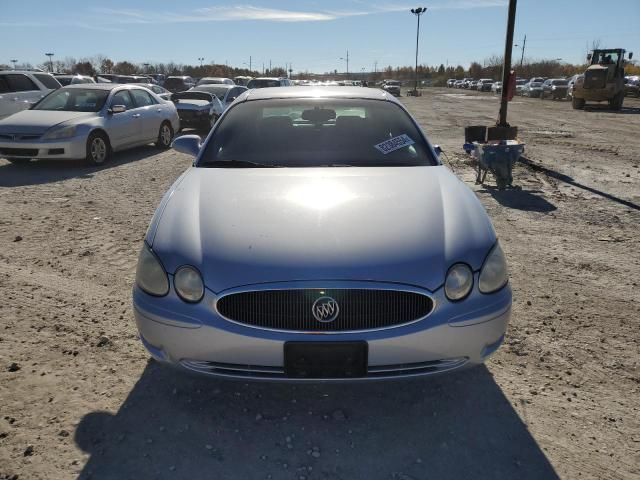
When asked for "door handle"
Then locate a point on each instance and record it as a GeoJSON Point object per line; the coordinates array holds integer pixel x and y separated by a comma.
{"type": "Point", "coordinates": [159, 110]}
{"type": "Point", "coordinates": [136, 115]}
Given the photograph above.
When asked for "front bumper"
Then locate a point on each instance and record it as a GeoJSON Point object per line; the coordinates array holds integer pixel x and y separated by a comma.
{"type": "Point", "coordinates": [73, 148]}
{"type": "Point", "coordinates": [197, 338]}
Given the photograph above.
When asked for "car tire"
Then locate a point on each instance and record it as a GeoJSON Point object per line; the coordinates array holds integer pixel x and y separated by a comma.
{"type": "Point", "coordinates": [165, 136]}
{"type": "Point", "coordinates": [577, 103]}
{"type": "Point", "coordinates": [98, 149]}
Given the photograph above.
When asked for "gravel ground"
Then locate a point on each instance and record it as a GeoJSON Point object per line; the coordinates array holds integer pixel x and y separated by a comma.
{"type": "Point", "coordinates": [79, 398]}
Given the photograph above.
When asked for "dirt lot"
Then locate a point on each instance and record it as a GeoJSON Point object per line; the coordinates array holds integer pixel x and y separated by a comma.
{"type": "Point", "coordinates": [79, 399]}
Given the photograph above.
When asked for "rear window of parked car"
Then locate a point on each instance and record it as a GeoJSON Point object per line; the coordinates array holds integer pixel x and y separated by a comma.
{"type": "Point", "coordinates": [174, 82]}
{"type": "Point", "coordinates": [317, 132]}
{"type": "Point", "coordinates": [263, 83]}
{"type": "Point", "coordinates": [47, 80]}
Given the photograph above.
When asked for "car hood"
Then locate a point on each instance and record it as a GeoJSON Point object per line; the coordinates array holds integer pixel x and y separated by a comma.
{"type": "Point", "coordinates": [39, 121]}
{"type": "Point", "coordinates": [248, 226]}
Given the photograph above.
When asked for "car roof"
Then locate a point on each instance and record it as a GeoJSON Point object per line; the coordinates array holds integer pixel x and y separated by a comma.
{"type": "Point", "coordinates": [215, 85]}
{"type": "Point", "coordinates": [106, 86]}
{"type": "Point", "coordinates": [317, 92]}
{"type": "Point", "coordinates": [25, 71]}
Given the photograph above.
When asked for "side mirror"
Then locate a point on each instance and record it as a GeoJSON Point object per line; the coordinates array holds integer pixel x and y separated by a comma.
{"type": "Point", "coordinates": [630, 55]}
{"type": "Point", "coordinates": [438, 149]}
{"type": "Point", "coordinates": [117, 109]}
{"type": "Point", "coordinates": [589, 57]}
{"type": "Point", "coordinates": [189, 144]}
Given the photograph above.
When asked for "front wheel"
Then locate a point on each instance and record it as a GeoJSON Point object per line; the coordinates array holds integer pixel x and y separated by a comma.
{"type": "Point", "coordinates": [98, 149]}
{"type": "Point", "coordinates": [165, 136]}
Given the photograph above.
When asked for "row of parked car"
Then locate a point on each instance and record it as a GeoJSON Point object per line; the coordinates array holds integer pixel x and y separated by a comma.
{"type": "Point", "coordinates": [89, 118]}
{"type": "Point", "coordinates": [538, 87]}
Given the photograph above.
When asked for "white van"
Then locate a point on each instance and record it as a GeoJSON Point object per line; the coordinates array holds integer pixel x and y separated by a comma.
{"type": "Point", "coordinates": [21, 89]}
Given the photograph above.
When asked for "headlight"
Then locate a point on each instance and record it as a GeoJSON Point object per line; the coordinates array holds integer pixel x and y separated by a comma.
{"type": "Point", "coordinates": [458, 282]}
{"type": "Point", "coordinates": [493, 275]}
{"type": "Point", "coordinates": [188, 283]}
{"type": "Point", "coordinates": [150, 274]}
{"type": "Point", "coordinates": [553, 88]}
{"type": "Point", "coordinates": [61, 132]}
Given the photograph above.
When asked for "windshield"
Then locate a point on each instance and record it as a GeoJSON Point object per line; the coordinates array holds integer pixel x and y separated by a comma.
{"type": "Point", "coordinates": [393, 82]}
{"type": "Point", "coordinates": [560, 82]}
{"type": "Point", "coordinates": [535, 84]}
{"type": "Point", "coordinates": [74, 100]}
{"type": "Point", "coordinates": [316, 132]}
{"type": "Point", "coordinates": [263, 83]}
{"type": "Point", "coordinates": [64, 81]}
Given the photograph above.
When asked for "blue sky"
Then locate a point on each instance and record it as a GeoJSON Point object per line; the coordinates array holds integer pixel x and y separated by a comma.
{"type": "Point", "coordinates": [311, 35]}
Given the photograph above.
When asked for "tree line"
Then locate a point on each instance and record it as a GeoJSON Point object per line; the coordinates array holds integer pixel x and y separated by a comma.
{"type": "Point", "coordinates": [434, 75]}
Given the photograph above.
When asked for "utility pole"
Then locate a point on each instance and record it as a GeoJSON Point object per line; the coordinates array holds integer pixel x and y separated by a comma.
{"type": "Point", "coordinates": [249, 62]}
{"type": "Point", "coordinates": [201, 59]}
{"type": "Point", "coordinates": [50, 61]}
{"type": "Point", "coordinates": [269, 66]}
{"type": "Point", "coordinates": [417, 12]}
{"type": "Point", "coordinates": [524, 45]}
{"type": "Point", "coordinates": [506, 69]}
{"type": "Point", "coordinates": [347, 59]}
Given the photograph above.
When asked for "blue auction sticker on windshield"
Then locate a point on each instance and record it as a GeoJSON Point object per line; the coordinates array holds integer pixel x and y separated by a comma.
{"type": "Point", "coordinates": [394, 143]}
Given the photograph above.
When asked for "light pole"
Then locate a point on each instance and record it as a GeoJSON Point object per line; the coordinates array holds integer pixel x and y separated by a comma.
{"type": "Point", "coordinates": [347, 60]}
{"type": "Point", "coordinates": [201, 59]}
{"type": "Point", "coordinates": [14, 61]}
{"type": "Point", "coordinates": [146, 67]}
{"type": "Point", "coordinates": [417, 12]}
{"type": "Point", "coordinates": [524, 45]}
{"type": "Point", "coordinates": [50, 61]}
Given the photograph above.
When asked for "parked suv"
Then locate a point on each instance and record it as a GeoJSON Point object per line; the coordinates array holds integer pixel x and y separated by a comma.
{"type": "Point", "coordinates": [556, 88]}
{"type": "Point", "coordinates": [21, 89]}
{"type": "Point", "coordinates": [179, 84]}
{"type": "Point", "coordinates": [392, 86]}
{"type": "Point", "coordinates": [484, 85]}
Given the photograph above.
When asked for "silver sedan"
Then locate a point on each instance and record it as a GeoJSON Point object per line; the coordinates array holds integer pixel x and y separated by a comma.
{"type": "Point", "coordinates": [317, 236]}
{"type": "Point", "coordinates": [88, 122]}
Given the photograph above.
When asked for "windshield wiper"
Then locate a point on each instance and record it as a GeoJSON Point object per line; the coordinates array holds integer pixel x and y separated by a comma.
{"type": "Point", "coordinates": [235, 164]}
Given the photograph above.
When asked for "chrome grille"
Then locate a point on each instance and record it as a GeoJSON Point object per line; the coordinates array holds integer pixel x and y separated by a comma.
{"type": "Point", "coordinates": [18, 137]}
{"type": "Point", "coordinates": [359, 309]}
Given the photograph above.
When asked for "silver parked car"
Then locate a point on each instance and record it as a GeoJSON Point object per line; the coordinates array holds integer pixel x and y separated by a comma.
{"type": "Point", "coordinates": [88, 122]}
{"type": "Point", "coordinates": [225, 93]}
{"type": "Point", "coordinates": [318, 236]}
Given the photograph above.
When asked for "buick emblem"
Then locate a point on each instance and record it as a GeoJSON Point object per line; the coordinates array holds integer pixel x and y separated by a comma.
{"type": "Point", "coordinates": [325, 309]}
